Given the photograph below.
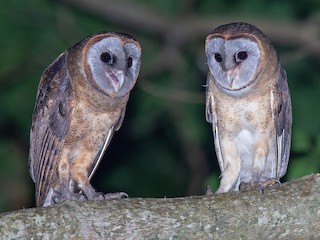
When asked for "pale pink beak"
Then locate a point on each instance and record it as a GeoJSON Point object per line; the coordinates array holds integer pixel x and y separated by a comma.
{"type": "Point", "coordinates": [116, 77]}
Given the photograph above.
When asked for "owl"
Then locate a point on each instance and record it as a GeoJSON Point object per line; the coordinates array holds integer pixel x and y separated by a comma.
{"type": "Point", "coordinates": [80, 103]}
{"type": "Point", "coordinates": [249, 105]}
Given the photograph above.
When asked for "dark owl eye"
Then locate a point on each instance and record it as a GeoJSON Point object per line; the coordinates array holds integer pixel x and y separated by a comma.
{"type": "Point", "coordinates": [242, 55]}
{"type": "Point", "coordinates": [218, 57]}
{"type": "Point", "coordinates": [129, 62]}
{"type": "Point", "coordinates": [107, 58]}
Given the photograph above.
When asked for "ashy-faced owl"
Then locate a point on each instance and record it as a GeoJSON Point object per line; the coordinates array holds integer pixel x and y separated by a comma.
{"type": "Point", "coordinates": [248, 103]}
{"type": "Point", "coordinates": [81, 102]}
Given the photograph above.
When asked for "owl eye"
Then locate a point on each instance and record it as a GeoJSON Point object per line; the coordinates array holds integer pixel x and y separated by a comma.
{"type": "Point", "coordinates": [218, 57]}
{"type": "Point", "coordinates": [107, 58]}
{"type": "Point", "coordinates": [129, 62]}
{"type": "Point", "coordinates": [242, 55]}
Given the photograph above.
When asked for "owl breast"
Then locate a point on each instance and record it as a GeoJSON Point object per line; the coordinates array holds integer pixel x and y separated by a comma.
{"type": "Point", "coordinates": [248, 122]}
{"type": "Point", "coordinates": [244, 113]}
{"type": "Point", "coordinates": [89, 128]}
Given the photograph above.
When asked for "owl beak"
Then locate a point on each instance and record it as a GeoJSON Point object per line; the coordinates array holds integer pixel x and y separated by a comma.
{"type": "Point", "coordinates": [116, 78]}
{"type": "Point", "coordinates": [231, 76]}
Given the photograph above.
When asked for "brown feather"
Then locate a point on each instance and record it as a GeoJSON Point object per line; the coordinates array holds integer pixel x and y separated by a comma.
{"type": "Point", "coordinates": [49, 127]}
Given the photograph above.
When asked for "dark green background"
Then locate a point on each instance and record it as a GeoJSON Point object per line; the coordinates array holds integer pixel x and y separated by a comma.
{"type": "Point", "coordinates": [165, 146]}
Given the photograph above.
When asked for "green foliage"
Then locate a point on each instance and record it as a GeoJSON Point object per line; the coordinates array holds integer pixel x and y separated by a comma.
{"type": "Point", "coordinates": [148, 155]}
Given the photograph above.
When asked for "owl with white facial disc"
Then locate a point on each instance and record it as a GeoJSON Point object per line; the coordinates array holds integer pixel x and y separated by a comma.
{"type": "Point", "coordinates": [81, 102]}
{"type": "Point", "coordinates": [248, 103]}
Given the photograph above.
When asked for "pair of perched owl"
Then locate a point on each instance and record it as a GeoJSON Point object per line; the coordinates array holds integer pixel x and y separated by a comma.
{"type": "Point", "coordinates": [82, 97]}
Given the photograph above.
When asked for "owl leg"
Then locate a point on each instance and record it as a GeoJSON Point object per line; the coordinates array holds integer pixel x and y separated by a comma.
{"type": "Point", "coordinates": [64, 193]}
{"type": "Point", "coordinates": [79, 173]}
{"type": "Point", "coordinates": [259, 159]}
{"type": "Point", "coordinates": [231, 162]}
{"type": "Point", "coordinates": [259, 162]}
{"type": "Point", "coordinates": [65, 189]}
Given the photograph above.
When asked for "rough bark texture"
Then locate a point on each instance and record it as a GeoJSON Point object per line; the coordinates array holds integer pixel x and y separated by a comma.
{"type": "Point", "coordinates": [290, 211]}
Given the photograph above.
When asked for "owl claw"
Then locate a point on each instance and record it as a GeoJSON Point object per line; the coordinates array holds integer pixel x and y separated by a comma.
{"type": "Point", "coordinates": [245, 186]}
{"type": "Point", "coordinates": [101, 196]}
{"type": "Point", "coordinates": [67, 195]}
{"type": "Point", "coordinates": [93, 195]}
{"type": "Point", "coordinates": [261, 186]}
{"type": "Point", "coordinates": [116, 195]}
{"type": "Point", "coordinates": [272, 182]}
{"type": "Point", "coordinates": [97, 196]}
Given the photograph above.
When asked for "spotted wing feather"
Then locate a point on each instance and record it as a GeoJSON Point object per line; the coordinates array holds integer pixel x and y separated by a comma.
{"type": "Point", "coordinates": [50, 122]}
{"type": "Point", "coordinates": [283, 121]}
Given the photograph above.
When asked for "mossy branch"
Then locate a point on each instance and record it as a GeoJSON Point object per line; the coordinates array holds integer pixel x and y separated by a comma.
{"type": "Point", "coordinates": [290, 211]}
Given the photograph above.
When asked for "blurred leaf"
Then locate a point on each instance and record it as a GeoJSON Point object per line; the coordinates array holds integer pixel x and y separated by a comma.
{"type": "Point", "coordinates": [301, 141]}
{"type": "Point", "coordinates": [302, 166]}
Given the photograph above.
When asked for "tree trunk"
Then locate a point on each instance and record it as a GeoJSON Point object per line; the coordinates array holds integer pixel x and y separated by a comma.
{"type": "Point", "coordinates": [290, 211]}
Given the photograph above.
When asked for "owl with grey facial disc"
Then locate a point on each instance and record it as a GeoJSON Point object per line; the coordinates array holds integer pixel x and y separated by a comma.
{"type": "Point", "coordinates": [80, 103]}
{"type": "Point", "coordinates": [248, 103]}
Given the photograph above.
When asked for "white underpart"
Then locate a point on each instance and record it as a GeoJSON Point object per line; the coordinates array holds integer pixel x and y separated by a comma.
{"type": "Point", "coordinates": [116, 78]}
{"type": "Point", "coordinates": [245, 141]}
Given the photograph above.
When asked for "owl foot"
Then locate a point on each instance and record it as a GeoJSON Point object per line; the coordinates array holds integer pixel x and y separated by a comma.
{"type": "Point", "coordinates": [261, 186]}
{"type": "Point", "coordinates": [101, 196]}
{"type": "Point", "coordinates": [116, 195]}
{"type": "Point", "coordinates": [67, 195]}
{"type": "Point", "coordinates": [246, 186]}
{"type": "Point", "coordinates": [269, 183]}
{"type": "Point", "coordinates": [93, 195]}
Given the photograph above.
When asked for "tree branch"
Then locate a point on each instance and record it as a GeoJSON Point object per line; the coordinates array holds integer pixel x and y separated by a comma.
{"type": "Point", "coordinates": [290, 211]}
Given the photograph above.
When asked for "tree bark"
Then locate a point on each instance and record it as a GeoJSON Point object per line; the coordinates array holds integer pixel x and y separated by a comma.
{"type": "Point", "coordinates": [290, 211]}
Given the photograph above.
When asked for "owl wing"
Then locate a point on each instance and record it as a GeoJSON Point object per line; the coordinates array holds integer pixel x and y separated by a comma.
{"type": "Point", "coordinates": [282, 115]}
{"type": "Point", "coordinates": [50, 122]}
{"type": "Point", "coordinates": [211, 117]}
{"type": "Point", "coordinates": [106, 143]}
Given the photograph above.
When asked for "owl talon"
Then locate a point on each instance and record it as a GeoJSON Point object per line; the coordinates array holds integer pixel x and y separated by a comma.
{"type": "Point", "coordinates": [246, 186]}
{"type": "Point", "coordinates": [269, 183]}
{"type": "Point", "coordinates": [61, 196]}
{"type": "Point", "coordinates": [261, 186]}
{"type": "Point", "coordinates": [93, 195]}
{"type": "Point", "coordinates": [97, 196]}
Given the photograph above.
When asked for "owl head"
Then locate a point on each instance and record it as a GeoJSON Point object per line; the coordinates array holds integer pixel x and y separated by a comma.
{"type": "Point", "coordinates": [237, 53]}
{"type": "Point", "coordinates": [110, 61]}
